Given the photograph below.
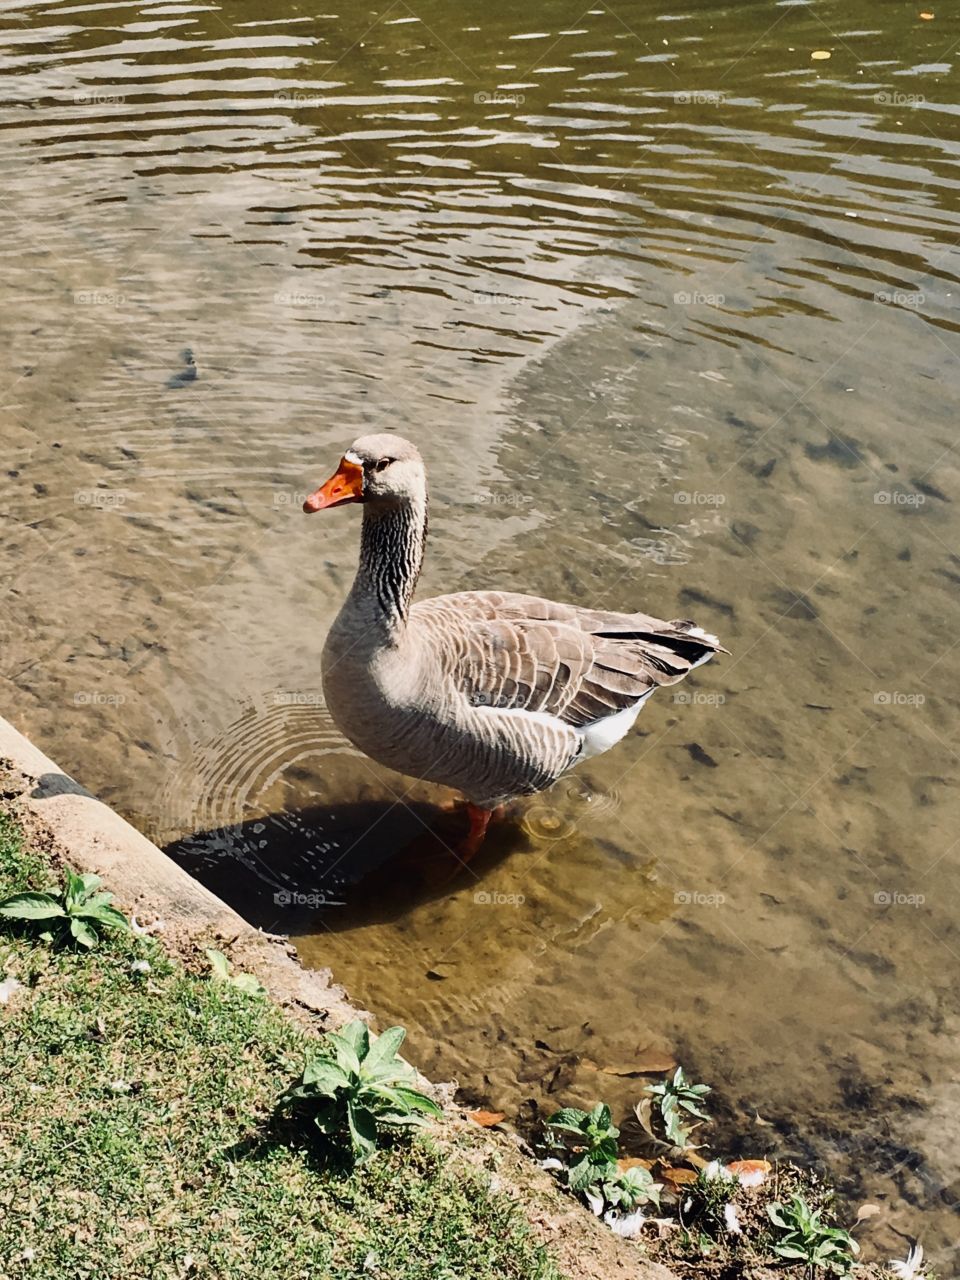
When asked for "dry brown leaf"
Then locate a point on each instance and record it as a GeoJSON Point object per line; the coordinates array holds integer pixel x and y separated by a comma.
{"type": "Point", "coordinates": [820, 55]}
{"type": "Point", "coordinates": [653, 1061]}
{"type": "Point", "coordinates": [648, 1061]}
{"type": "Point", "coordinates": [867, 1211]}
{"type": "Point", "coordinates": [691, 1157]}
{"type": "Point", "coordinates": [627, 1069]}
{"type": "Point", "coordinates": [634, 1162]}
{"type": "Point", "coordinates": [644, 1113]}
{"type": "Point", "coordinates": [486, 1119]}
{"type": "Point", "coordinates": [678, 1177]}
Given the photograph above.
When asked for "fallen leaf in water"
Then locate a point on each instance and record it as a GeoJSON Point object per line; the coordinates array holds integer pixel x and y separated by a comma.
{"type": "Point", "coordinates": [486, 1119]}
{"type": "Point", "coordinates": [749, 1173]}
{"type": "Point", "coordinates": [648, 1061]}
{"type": "Point", "coordinates": [867, 1211]}
{"type": "Point", "coordinates": [628, 1069]}
{"type": "Point", "coordinates": [633, 1162]}
{"type": "Point", "coordinates": [820, 55]}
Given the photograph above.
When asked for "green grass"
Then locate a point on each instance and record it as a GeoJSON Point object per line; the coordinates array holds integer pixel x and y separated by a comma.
{"type": "Point", "coordinates": [137, 1137]}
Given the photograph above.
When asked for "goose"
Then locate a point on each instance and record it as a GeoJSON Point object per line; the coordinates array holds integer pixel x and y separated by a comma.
{"type": "Point", "coordinates": [495, 694]}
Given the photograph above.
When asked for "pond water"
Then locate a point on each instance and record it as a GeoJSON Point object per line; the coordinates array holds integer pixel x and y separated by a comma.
{"type": "Point", "coordinates": [668, 303]}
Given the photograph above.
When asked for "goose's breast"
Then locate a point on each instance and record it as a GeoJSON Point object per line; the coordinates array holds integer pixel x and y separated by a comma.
{"type": "Point", "coordinates": [374, 698]}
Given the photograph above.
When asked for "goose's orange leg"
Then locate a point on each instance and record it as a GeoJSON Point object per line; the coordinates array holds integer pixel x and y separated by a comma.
{"type": "Point", "coordinates": [432, 853]}
{"type": "Point", "coordinates": [469, 846]}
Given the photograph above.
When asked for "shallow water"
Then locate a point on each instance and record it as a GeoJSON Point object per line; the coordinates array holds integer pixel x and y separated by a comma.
{"type": "Point", "coordinates": [669, 307]}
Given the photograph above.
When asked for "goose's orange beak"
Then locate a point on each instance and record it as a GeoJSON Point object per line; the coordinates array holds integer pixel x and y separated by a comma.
{"type": "Point", "coordinates": [345, 485]}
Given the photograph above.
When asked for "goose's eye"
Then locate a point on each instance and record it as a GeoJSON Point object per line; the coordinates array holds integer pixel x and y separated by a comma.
{"type": "Point", "coordinates": [382, 464]}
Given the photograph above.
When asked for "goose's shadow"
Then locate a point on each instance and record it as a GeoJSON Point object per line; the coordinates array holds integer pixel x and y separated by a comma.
{"type": "Point", "coordinates": [339, 866]}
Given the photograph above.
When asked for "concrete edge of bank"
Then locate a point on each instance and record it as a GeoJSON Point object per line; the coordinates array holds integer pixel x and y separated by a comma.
{"type": "Point", "coordinates": [93, 837]}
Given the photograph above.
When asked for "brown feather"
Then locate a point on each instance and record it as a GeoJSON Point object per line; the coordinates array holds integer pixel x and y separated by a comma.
{"type": "Point", "coordinates": [521, 652]}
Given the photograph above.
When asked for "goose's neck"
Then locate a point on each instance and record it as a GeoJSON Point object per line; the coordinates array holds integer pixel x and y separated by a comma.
{"type": "Point", "coordinates": [391, 554]}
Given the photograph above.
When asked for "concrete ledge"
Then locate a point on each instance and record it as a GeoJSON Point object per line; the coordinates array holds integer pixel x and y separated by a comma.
{"type": "Point", "coordinates": [63, 816]}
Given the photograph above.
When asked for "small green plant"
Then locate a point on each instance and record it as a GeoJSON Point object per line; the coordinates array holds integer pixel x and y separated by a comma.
{"type": "Point", "coordinates": [221, 970]}
{"type": "Point", "coordinates": [802, 1236]}
{"type": "Point", "coordinates": [593, 1138]}
{"type": "Point", "coordinates": [355, 1087]}
{"type": "Point", "coordinates": [673, 1098]}
{"type": "Point", "coordinates": [589, 1140]}
{"type": "Point", "coordinates": [80, 912]}
{"type": "Point", "coordinates": [630, 1188]}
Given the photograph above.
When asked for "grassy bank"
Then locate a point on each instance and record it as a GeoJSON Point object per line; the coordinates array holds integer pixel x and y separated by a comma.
{"type": "Point", "coordinates": [138, 1135]}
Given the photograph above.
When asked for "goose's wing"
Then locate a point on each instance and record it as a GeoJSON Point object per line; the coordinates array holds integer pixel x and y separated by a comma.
{"type": "Point", "coordinates": [506, 650]}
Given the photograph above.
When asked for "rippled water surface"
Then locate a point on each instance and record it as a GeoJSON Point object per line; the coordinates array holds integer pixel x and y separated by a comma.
{"type": "Point", "coordinates": [669, 305]}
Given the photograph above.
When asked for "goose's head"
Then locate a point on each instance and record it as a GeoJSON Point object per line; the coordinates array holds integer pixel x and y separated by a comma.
{"type": "Point", "coordinates": [378, 469]}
